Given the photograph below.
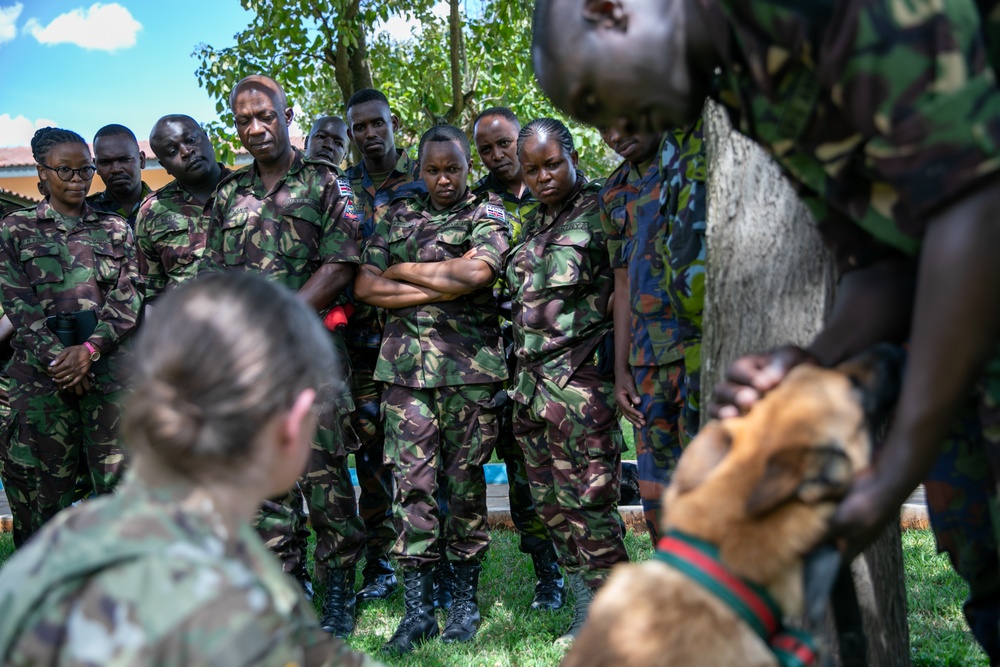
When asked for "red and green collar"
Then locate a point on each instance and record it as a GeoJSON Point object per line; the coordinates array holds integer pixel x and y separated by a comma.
{"type": "Point", "coordinates": [700, 561]}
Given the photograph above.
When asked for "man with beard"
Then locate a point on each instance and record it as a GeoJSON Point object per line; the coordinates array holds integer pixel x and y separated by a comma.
{"type": "Point", "coordinates": [119, 164]}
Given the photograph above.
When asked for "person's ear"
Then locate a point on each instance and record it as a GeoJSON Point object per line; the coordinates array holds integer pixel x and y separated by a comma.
{"type": "Point", "coordinates": [289, 114]}
{"type": "Point", "coordinates": [142, 159]}
{"type": "Point", "coordinates": [574, 158]}
{"type": "Point", "coordinates": [395, 123]}
{"type": "Point", "coordinates": [606, 13]}
{"type": "Point", "coordinates": [299, 423]}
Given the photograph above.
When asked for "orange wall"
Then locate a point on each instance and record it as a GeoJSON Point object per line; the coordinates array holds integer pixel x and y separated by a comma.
{"type": "Point", "coordinates": [27, 186]}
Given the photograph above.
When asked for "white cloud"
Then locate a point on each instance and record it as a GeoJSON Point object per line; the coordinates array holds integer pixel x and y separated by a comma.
{"type": "Point", "coordinates": [18, 131]}
{"type": "Point", "coordinates": [8, 21]}
{"type": "Point", "coordinates": [101, 27]}
{"type": "Point", "coordinates": [400, 28]}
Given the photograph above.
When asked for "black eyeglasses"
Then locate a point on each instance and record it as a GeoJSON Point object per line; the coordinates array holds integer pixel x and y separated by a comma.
{"type": "Point", "coordinates": [66, 173]}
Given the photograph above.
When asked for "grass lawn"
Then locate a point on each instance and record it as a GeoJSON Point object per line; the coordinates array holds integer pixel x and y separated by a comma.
{"type": "Point", "coordinates": [512, 636]}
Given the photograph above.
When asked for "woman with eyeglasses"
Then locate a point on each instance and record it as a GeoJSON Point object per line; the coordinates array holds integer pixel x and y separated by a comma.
{"type": "Point", "coordinates": [69, 284]}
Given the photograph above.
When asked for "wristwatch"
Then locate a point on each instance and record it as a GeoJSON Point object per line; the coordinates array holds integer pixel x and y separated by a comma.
{"type": "Point", "coordinates": [95, 354]}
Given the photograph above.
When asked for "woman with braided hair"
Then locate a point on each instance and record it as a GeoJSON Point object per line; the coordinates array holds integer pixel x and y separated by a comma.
{"type": "Point", "coordinates": [68, 283]}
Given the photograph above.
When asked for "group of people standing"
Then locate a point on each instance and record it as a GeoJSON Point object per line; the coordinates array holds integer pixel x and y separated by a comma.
{"type": "Point", "coordinates": [515, 315]}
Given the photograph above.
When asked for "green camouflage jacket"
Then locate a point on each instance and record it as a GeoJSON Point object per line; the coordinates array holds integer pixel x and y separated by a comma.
{"type": "Point", "coordinates": [307, 220]}
{"type": "Point", "coordinates": [53, 264]}
{"type": "Point", "coordinates": [881, 113]}
{"type": "Point", "coordinates": [105, 202]}
{"type": "Point", "coordinates": [451, 342]}
{"type": "Point", "coordinates": [151, 577]}
{"type": "Point", "coordinates": [170, 234]}
{"type": "Point", "coordinates": [518, 209]}
{"type": "Point", "coordinates": [561, 281]}
{"type": "Point", "coordinates": [364, 329]}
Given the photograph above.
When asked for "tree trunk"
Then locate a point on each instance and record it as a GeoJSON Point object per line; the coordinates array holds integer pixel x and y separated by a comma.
{"type": "Point", "coordinates": [770, 281]}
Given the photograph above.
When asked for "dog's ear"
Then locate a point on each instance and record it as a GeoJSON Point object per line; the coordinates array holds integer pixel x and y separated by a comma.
{"type": "Point", "coordinates": [810, 474]}
{"type": "Point", "coordinates": [704, 453]}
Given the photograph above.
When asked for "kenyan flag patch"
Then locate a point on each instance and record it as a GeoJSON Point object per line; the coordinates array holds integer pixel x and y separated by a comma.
{"type": "Point", "coordinates": [496, 212]}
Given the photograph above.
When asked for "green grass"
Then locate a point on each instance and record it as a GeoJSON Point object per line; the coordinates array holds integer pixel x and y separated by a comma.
{"type": "Point", "coordinates": [511, 635]}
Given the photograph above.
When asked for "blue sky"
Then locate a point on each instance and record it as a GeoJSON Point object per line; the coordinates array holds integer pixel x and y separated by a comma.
{"type": "Point", "coordinates": [131, 62]}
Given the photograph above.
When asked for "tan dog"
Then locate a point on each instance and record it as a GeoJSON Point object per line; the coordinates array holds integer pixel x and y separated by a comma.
{"type": "Point", "coordinates": [760, 488]}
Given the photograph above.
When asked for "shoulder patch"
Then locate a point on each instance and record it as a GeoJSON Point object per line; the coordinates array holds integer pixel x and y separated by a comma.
{"type": "Point", "coordinates": [349, 212]}
{"type": "Point", "coordinates": [496, 212]}
{"type": "Point", "coordinates": [344, 188]}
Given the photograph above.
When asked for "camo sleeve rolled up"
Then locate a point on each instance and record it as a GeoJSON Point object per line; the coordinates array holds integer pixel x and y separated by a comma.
{"type": "Point", "coordinates": [52, 264]}
{"type": "Point", "coordinates": [170, 231]}
{"type": "Point", "coordinates": [307, 220]}
{"type": "Point", "coordinates": [561, 282]}
{"type": "Point", "coordinates": [450, 342]}
{"type": "Point", "coordinates": [880, 111]}
{"type": "Point", "coordinates": [141, 577]}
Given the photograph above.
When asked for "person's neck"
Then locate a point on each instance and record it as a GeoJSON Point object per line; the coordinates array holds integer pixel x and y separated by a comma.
{"type": "Point", "coordinates": [69, 210]}
{"type": "Point", "coordinates": [128, 201]}
{"type": "Point", "coordinates": [203, 189]}
{"type": "Point", "coordinates": [274, 171]}
{"type": "Point", "coordinates": [515, 187]}
{"type": "Point", "coordinates": [386, 164]}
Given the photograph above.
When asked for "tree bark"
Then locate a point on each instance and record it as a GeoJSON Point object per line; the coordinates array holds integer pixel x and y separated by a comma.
{"type": "Point", "coordinates": [770, 281]}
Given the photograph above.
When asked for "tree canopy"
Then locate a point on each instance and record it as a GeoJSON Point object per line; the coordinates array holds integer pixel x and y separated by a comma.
{"type": "Point", "coordinates": [461, 58]}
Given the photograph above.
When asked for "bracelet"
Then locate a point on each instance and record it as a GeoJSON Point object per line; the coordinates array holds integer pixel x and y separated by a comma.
{"type": "Point", "coordinates": [90, 347]}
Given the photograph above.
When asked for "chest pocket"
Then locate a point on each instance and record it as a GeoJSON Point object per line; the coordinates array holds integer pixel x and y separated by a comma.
{"type": "Point", "coordinates": [108, 260]}
{"type": "Point", "coordinates": [234, 237]}
{"type": "Point", "coordinates": [400, 246]}
{"type": "Point", "coordinates": [298, 234]}
{"type": "Point", "coordinates": [567, 259]}
{"type": "Point", "coordinates": [42, 263]}
{"type": "Point", "coordinates": [454, 240]}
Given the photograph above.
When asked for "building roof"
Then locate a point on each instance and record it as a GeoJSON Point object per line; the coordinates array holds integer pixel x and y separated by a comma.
{"type": "Point", "coordinates": [17, 198]}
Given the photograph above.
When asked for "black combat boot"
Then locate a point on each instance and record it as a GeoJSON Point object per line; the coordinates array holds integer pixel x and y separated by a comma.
{"type": "Point", "coordinates": [463, 617]}
{"type": "Point", "coordinates": [550, 590]}
{"type": "Point", "coordinates": [337, 615]}
{"type": "Point", "coordinates": [418, 624]}
{"type": "Point", "coordinates": [444, 583]}
{"type": "Point", "coordinates": [301, 575]}
{"type": "Point", "coordinates": [584, 596]}
{"type": "Point", "coordinates": [379, 579]}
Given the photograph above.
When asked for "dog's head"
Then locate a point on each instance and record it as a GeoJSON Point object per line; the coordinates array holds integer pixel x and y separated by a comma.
{"type": "Point", "coordinates": [744, 479]}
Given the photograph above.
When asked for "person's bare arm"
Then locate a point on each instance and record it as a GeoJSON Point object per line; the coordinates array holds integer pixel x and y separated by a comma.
{"type": "Point", "coordinates": [372, 287]}
{"type": "Point", "coordinates": [626, 394]}
{"type": "Point", "coordinates": [460, 275]}
{"type": "Point", "coordinates": [326, 284]}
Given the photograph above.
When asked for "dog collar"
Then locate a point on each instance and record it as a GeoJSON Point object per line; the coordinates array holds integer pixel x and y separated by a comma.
{"type": "Point", "coordinates": [700, 561]}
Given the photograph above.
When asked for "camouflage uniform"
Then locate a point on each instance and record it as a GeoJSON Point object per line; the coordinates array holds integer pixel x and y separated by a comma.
{"type": "Point", "coordinates": [534, 535]}
{"type": "Point", "coordinates": [286, 235]}
{"type": "Point", "coordinates": [566, 420]}
{"type": "Point", "coordinates": [630, 214]}
{"type": "Point", "coordinates": [12, 474]}
{"type": "Point", "coordinates": [170, 230]}
{"type": "Point", "coordinates": [363, 336]}
{"type": "Point", "coordinates": [443, 362]}
{"type": "Point", "coordinates": [879, 130]}
{"type": "Point", "coordinates": [54, 264]}
{"type": "Point", "coordinates": [137, 578]}
{"type": "Point", "coordinates": [105, 202]}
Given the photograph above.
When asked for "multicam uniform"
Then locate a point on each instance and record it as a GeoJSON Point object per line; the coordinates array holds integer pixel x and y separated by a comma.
{"type": "Point", "coordinates": [442, 362]}
{"type": "Point", "coordinates": [630, 213]}
{"type": "Point", "coordinates": [534, 536]}
{"type": "Point", "coordinates": [140, 578]}
{"type": "Point", "coordinates": [170, 231]}
{"type": "Point", "coordinates": [105, 202]}
{"type": "Point", "coordinates": [566, 419]}
{"type": "Point", "coordinates": [286, 234]}
{"type": "Point", "coordinates": [57, 264]}
{"type": "Point", "coordinates": [879, 130]}
{"type": "Point", "coordinates": [363, 336]}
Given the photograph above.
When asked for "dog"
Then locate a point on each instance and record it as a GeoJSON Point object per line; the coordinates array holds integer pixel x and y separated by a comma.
{"type": "Point", "coordinates": [756, 493]}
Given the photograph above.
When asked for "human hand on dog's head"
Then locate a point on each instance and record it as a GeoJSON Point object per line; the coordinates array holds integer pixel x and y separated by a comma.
{"type": "Point", "coordinates": [750, 377]}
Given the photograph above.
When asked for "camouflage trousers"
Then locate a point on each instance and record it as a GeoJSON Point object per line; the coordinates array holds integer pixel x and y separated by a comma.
{"type": "Point", "coordinates": [962, 492]}
{"type": "Point", "coordinates": [572, 444]}
{"type": "Point", "coordinates": [374, 476]}
{"type": "Point", "coordinates": [446, 433]}
{"type": "Point", "coordinates": [15, 477]}
{"type": "Point", "coordinates": [62, 448]}
{"type": "Point", "coordinates": [659, 442]}
{"type": "Point", "coordinates": [333, 512]}
{"type": "Point", "coordinates": [534, 535]}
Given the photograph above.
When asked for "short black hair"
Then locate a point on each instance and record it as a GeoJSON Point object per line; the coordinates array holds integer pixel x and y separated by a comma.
{"type": "Point", "coordinates": [367, 95]}
{"type": "Point", "coordinates": [503, 112]}
{"type": "Point", "coordinates": [115, 130]}
{"type": "Point", "coordinates": [47, 137]}
{"type": "Point", "coordinates": [444, 133]}
{"type": "Point", "coordinates": [546, 126]}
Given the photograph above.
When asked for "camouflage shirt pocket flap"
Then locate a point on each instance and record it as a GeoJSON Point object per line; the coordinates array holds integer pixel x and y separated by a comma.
{"type": "Point", "coordinates": [567, 259]}
{"type": "Point", "coordinates": [43, 263]}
